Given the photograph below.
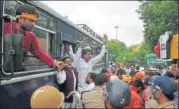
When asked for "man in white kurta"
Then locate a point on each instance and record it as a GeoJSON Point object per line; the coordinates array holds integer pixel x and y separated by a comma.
{"type": "Point", "coordinates": [85, 65]}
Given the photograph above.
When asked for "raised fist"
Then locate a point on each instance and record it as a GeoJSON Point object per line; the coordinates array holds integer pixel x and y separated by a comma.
{"type": "Point", "coordinates": [105, 38]}
{"type": "Point", "coordinates": [59, 65]}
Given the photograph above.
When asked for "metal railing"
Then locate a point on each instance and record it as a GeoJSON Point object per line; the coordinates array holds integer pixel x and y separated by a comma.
{"type": "Point", "coordinates": [9, 75]}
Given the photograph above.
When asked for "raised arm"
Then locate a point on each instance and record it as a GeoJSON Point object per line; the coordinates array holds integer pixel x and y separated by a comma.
{"type": "Point", "coordinates": [78, 54]}
{"type": "Point", "coordinates": [97, 58]}
{"type": "Point", "coordinates": [77, 57]}
{"type": "Point", "coordinates": [72, 55]}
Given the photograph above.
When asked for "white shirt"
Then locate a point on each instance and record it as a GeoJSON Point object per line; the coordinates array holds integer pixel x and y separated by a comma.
{"type": "Point", "coordinates": [61, 78]}
{"type": "Point", "coordinates": [70, 53]}
{"type": "Point", "coordinates": [83, 68]}
{"type": "Point", "coordinates": [61, 75]}
{"type": "Point", "coordinates": [91, 86]}
{"type": "Point", "coordinates": [113, 77]}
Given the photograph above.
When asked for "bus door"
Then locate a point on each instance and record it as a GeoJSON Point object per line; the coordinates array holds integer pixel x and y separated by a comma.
{"type": "Point", "coordinates": [69, 39]}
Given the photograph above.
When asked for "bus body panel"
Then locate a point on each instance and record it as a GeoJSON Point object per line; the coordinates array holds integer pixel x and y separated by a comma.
{"type": "Point", "coordinates": [18, 95]}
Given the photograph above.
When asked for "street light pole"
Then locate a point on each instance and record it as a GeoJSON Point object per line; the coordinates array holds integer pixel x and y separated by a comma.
{"type": "Point", "coordinates": [116, 27]}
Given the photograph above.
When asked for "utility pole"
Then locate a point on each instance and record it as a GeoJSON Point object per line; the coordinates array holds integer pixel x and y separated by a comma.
{"type": "Point", "coordinates": [116, 27]}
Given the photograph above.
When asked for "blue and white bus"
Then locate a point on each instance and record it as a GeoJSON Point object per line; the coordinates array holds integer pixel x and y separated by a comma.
{"type": "Point", "coordinates": [16, 87]}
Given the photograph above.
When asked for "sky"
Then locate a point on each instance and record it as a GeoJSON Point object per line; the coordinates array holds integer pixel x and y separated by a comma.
{"type": "Point", "coordinates": [103, 16]}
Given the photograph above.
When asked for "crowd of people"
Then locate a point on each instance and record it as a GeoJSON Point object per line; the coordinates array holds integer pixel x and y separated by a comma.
{"type": "Point", "coordinates": [122, 88]}
{"type": "Point", "coordinates": [148, 89]}
{"type": "Point", "coordinates": [77, 76]}
{"type": "Point", "coordinates": [116, 89]}
{"type": "Point", "coordinates": [153, 88]}
{"type": "Point", "coordinates": [113, 88]}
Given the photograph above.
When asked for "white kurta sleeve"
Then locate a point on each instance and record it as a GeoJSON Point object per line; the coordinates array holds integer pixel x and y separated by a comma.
{"type": "Point", "coordinates": [97, 58]}
{"type": "Point", "coordinates": [62, 54]}
{"type": "Point", "coordinates": [72, 55]}
{"type": "Point", "coordinates": [61, 77]}
{"type": "Point", "coordinates": [77, 57]}
{"type": "Point", "coordinates": [90, 87]}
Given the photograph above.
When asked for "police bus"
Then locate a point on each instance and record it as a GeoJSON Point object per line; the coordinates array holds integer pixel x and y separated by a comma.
{"type": "Point", "coordinates": [16, 87]}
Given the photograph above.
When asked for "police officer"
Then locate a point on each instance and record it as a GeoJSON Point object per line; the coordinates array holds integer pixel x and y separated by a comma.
{"type": "Point", "coordinates": [115, 94]}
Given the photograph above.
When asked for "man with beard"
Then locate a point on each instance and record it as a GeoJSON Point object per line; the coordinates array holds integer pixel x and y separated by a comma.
{"type": "Point", "coordinates": [90, 81]}
{"type": "Point", "coordinates": [67, 78]}
{"type": "Point", "coordinates": [132, 72]}
{"type": "Point", "coordinates": [113, 73]}
{"type": "Point", "coordinates": [94, 99]}
{"type": "Point", "coordinates": [26, 16]}
{"type": "Point", "coordinates": [86, 63]}
{"type": "Point", "coordinates": [120, 73]}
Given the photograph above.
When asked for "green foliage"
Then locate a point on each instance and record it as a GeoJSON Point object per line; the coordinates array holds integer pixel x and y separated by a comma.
{"type": "Point", "coordinates": [119, 47]}
{"type": "Point", "coordinates": [130, 56]}
{"type": "Point", "coordinates": [144, 50]}
{"type": "Point", "coordinates": [158, 17]}
{"type": "Point", "coordinates": [139, 56]}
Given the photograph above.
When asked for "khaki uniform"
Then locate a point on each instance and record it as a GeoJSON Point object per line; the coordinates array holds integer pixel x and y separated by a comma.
{"type": "Point", "coordinates": [151, 103]}
{"type": "Point", "coordinates": [93, 99]}
{"type": "Point", "coordinates": [168, 105]}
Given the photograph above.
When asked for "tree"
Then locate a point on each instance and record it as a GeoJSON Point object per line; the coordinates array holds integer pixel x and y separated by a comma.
{"type": "Point", "coordinates": [122, 51]}
{"type": "Point", "coordinates": [158, 17]}
{"type": "Point", "coordinates": [143, 51]}
{"type": "Point", "coordinates": [131, 55]}
{"type": "Point", "coordinates": [139, 56]}
{"type": "Point", "coordinates": [119, 47]}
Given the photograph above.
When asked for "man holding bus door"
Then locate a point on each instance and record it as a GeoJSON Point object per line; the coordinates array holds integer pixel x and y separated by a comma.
{"type": "Point", "coordinates": [25, 20]}
{"type": "Point", "coordinates": [76, 78]}
{"type": "Point", "coordinates": [68, 77]}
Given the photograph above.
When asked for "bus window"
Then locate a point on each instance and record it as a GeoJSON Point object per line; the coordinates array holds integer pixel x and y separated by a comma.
{"type": "Point", "coordinates": [45, 22]}
{"type": "Point", "coordinates": [42, 38]}
{"type": "Point", "coordinates": [10, 7]}
{"type": "Point", "coordinates": [46, 41]}
{"type": "Point", "coordinates": [51, 42]}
